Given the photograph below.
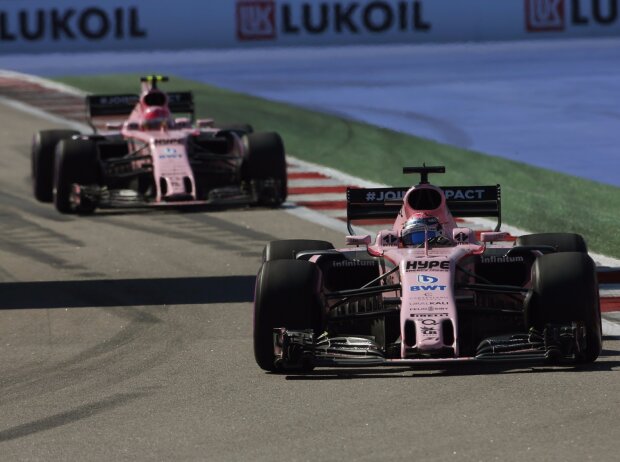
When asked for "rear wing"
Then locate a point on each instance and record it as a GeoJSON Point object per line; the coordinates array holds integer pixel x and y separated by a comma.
{"type": "Point", "coordinates": [109, 106]}
{"type": "Point", "coordinates": [462, 201]}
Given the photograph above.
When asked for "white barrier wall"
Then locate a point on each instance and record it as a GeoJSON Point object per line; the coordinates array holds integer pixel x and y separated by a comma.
{"type": "Point", "coordinates": [87, 25]}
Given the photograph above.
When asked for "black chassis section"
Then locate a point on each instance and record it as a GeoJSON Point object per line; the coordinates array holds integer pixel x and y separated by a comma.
{"type": "Point", "coordinates": [361, 326]}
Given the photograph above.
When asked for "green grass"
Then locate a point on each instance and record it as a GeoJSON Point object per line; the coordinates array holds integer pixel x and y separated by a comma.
{"type": "Point", "coordinates": [532, 198]}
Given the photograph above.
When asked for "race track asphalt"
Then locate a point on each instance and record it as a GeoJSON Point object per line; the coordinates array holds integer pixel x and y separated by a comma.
{"type": "Point", "coordinates": [127, 336]}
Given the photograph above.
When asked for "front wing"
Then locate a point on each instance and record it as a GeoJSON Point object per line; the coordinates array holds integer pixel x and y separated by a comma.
{"type": "Point", "coordinates": [302, 348]}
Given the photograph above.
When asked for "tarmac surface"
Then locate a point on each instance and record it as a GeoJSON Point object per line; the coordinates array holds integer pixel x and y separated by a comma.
{"type": "Point", "coordinates": [127, 336]}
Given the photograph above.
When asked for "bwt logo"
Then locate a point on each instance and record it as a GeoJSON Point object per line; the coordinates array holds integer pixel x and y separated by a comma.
{"type": "Point", "coordinates": [544, 15]}
{"type": "Point", "coordinates": [256, 20]}
{"type": "Point", "coordinates": [426, 279]}
{"type": "Point", "coordinates": [427, 288]}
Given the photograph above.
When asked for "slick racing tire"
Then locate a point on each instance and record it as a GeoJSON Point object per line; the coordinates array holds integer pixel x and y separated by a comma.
{"type": "Point", "coordinates": [563, 242]}
{"type": "Point", "coordinates": [75, 163]}
{"type": "Point", "coordinates": [266, 163]}
{"type": "Point", "coordinates": [288, 248]}
{"type": "Point", "coordinates": [42, 161]}
{"type": "Point", "coordinates": [239, 129]}
{"type": "Point", "coordinates": [565, 290]}
{"type": "Point", "coordinates": [287, 295]}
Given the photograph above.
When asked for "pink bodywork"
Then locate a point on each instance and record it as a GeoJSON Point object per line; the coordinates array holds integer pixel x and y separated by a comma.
{"type": "Point", "coordinates": [167, 147]}
{"type": "Point", "coordinates": [426, 276]}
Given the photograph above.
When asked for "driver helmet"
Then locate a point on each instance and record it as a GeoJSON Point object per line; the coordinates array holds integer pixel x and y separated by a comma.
{"type": "Point", "coordinates": [155, 118]}
{"type": "Point", "coordinates": [419, 228]}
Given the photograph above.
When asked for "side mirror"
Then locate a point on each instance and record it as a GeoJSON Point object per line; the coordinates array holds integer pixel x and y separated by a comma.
{"type": "Point", "coordinates": [205, 123]}
{"type": "Point", "coordinates": [358, 240]}
{"type": "Point", "coordinates": [495, 236]}
{"type": "Point", "coordinates": [182, 122]}
{"type": "Point", "coordinates": [113, 125]}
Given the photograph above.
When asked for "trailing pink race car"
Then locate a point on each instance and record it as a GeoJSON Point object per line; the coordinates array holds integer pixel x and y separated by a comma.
{"type": "Point", "coordinates": [426, 290]}
{"type": "Point", "coordinates": [151, 157]}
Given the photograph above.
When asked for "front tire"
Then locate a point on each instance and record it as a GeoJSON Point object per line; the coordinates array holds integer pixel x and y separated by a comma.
{"type": "Point", "coordinates": [565, 290]}
{"type": "Point", "coordinates": [42, 161]}
{"type": "Point", "coordinates": [75, 163]}
{"type": "Point", "coordinates": [287, 295]}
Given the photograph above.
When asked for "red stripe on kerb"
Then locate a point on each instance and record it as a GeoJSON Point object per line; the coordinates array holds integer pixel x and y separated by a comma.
{"type": "Point", "coordinates": [610, 304]}
{"type": "Point", "coordinates": [324, 205]}
{"type": "Point", "coordinates": [318, 190]}
{"type": "Point", "coordinates": [306, 176]}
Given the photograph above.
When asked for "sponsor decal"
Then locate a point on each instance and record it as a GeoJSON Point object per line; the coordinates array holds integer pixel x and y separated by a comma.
{"type": "Point", "coordinates": [426, 279]}
{"type": "Point", "coordinates": [428, 326]}
{"type": "Point", "coordinates": [56, 24]}
{"type": "Point", "coordinates": [427, 288]}
{"type": "Point", "coordinates": [171, 141]}
{"type": "Point", "coordinates": [430, 310]}
{"type": "Point", "coordinates": [544, 15]}
{"type": "Point", "coordinates": [422, 315]}
{"type": "Point", "coordinates": [389, 240]}
{"type": "Point", "coordinates": [464, 194]}
{"type": "Point", "coordinates": [266, 19]}
{"type": "Point", "coordinates": [256, 20]}
{"type": "Point", "coordinates": [119, 100]}
{"type": "Point", "coordinates": [494, 259]}
{"type": "Point", "coordinates": [382, 196]}
{"type": "Point", "coordinates": [352, 263]}
{"type": "Point", "coordinates": [424, 265]}
{"type": "Point", "coordinates": [553, 15]}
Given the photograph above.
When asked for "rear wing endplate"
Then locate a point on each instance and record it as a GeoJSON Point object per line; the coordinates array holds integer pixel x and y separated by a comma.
{"type": "Point", "coordinates": [462, 201]}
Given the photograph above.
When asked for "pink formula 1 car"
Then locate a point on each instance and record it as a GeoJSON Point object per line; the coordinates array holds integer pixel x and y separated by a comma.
{"type": "Point", "coordinates": [426, 290]}
{"type": "Point", "coordinates": [152, 158]}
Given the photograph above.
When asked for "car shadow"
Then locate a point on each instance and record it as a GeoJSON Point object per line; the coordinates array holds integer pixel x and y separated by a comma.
{"type": "Point", "coordinates": [127, 292]}
{"type": "Point", "coordinates": [448, 370]}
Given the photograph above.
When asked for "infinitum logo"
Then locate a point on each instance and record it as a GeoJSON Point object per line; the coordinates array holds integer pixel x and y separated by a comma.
{"type": "Point", "coordinates": [256, 19]}
{"type": "Point", "coordinates": [544, 15]}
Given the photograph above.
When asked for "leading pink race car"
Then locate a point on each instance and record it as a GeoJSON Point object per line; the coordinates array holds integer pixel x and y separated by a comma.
{"type": "Point", "coordinates": [153, 157]}
{"type": "Point", "coordinates": [426, 290]}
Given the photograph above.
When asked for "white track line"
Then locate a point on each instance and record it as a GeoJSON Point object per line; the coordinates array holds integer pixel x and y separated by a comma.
{"type": "Point", "coordinates": [611, 328]}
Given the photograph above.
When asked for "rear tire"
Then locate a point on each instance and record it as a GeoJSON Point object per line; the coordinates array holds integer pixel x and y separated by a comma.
{"type": "Point", "coordinates": [563, 242]}
{"type": "Point", "coordinates": [288, 248]}
{"type": "Point", "coordinates": [265, 166]}
{"type": "Point", "coordinates": [42, 161]}
{"type": "Point", "coordinates": [287, 295]}
{"type": "Point", "coordinates": [565, 290]}
{"type": "Point", "coordinates": [75, 163]}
